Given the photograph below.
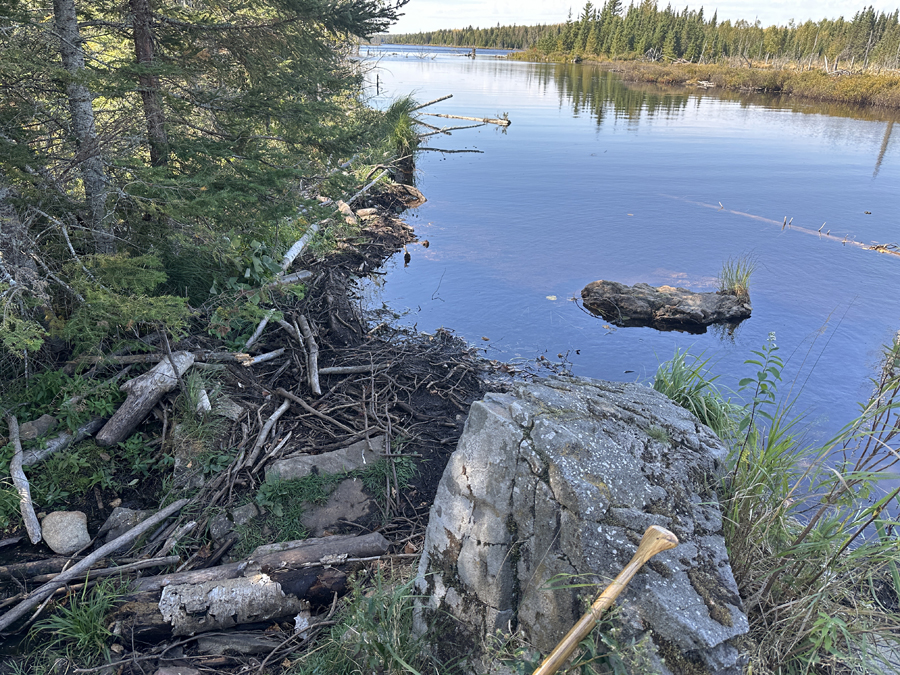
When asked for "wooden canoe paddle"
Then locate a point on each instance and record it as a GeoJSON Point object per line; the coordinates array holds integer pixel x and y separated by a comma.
{"type": "Point", "coordinates": [655, 540]}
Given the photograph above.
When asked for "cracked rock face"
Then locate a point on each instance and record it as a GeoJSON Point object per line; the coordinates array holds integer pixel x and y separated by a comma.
{"type": "Point", "coordinates": [561, 477]}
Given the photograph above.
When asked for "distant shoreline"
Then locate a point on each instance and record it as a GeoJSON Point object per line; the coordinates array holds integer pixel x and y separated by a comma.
{"type": "Point", "coordinates": [863, 88]}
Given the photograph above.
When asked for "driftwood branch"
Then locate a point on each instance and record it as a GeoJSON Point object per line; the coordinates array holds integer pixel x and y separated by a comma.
{"type": "Point", "coordinates": [20, 480]}
{"type": "Point", "coordinates": [298, 246]}
{"type": "Point", "coordinates": [162, 561]}
{"type": "Point", "coordinates": [353, 370]}
{"type": "Point", "coordinates": [447, 130]}
{"type": "Point", "coordinates": [259, 329]}
{"type": "Point", "coordinates": [484, 120]}
{"type": "Point", "coordinates": [437, 100]}
{"type": "Point", "coordinates": [45, 591]}
{"type": "Point", "coordinates": [312, 355]}
{"type": "Point", "coordinates": [144, 392]}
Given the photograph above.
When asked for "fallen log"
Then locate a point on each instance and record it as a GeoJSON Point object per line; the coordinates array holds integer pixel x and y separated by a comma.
{"type": "Point", "coordinates": [270, 585]}
{"type": "Point", "coordinates": [310, 551]}
{"type": "Point", "coordinates": [188, 609]}
{"type": "Point", "coordinates": [144, 392]}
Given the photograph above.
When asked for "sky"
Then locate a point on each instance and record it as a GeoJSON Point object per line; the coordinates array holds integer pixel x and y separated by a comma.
{"type": "Point", "coordinates": [423, 15]}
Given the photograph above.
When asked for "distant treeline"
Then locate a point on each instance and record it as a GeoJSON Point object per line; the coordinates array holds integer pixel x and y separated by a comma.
{"type": "Point", "coordinates": [644, 30]}
{"type": "Point", "coordinates": [499, 37]}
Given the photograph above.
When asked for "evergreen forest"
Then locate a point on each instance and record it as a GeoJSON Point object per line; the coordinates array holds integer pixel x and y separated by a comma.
{"type": "Point", "coordinates": [154, 154]}
{"type": "Point", "coordinates": [643, 30]}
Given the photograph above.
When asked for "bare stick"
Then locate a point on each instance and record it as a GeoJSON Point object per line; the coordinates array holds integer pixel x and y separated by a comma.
{"type": "Point", "coordinates": [366, 187]}
{"type": "Point", "coordinates": [45, 591]}
{"type": "Point", "coordinates": [298, 246]}
{"type": "Point", "coordinates": [159, 561]}
{"type": "Point", "coordinates": [655, 540]}
{"type": "Point", "coordinates": [437, 100]}
{"type": "Point", "coordinates": [292, 278]}
{"type": "Point", "coordinates": [63, 441]}
{"type": "Point", "coordinates": [20, 480]}
{"type": "Point", "coordinates": [312, 356]}
{"type": "Point", "coordinates": [291, 331]}
{"type": "Point", "coordinates": [486, 120]}
{"type": "Point", "coordinates": [259, 329]}
{"type": "Point", "coordinates": [246, 360]}
{"type": "Point", "coordinates": [264, 434]}
{"type": "Point", "coordinates": [352, 370]}
{"type": "Point", "coordinates": [308, 408]}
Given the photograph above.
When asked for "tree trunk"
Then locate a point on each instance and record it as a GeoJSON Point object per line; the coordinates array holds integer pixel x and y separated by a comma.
{"type": "Point", "coordinates": [148, 84]}
{"type": "Point", "coordinates": [80, 105]}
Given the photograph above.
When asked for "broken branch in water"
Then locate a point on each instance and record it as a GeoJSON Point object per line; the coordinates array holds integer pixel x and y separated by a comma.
{"type": "Point", "coordinates": [501, 122]}
{"type": "Point", "coordinates": [20, 480]}
{"type": "Point", "coordinates": [447, 130]}
{"type": "Point", "coordinates": [437, 100]}
{"type": "Point", "coordinates": [480, 152]}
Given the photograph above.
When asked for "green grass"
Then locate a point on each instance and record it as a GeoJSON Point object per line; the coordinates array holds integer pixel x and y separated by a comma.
{"type": "Point", "coordinates": [806, 525]}
{"type": "Point", "coordinates": [734, 278]}
{"type": "Point", "coordinates": [373, 634]}
{"type": "Point", "coordinates": [684, 379]}
{"type": "Point", "coordinates": [78, 628]}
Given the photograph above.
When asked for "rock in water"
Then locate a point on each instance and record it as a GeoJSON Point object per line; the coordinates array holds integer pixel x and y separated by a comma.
{"type": "Point", "coordinates": [663, 307]}
{"type": "Point", "coordinates": [65, 531]}
{"type": "Point", "coordinates": [552, 486]}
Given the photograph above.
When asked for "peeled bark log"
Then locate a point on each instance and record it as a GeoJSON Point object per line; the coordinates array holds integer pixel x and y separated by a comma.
{"type": "Point", "coordinates": [144, 392]}
{"type": "Point", "coordinates": [26, 505]}
{"type": "Point", "coordinates": [187, 609]}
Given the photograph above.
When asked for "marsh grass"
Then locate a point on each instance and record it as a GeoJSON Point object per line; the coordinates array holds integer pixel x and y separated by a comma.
{"type": "Point", "coordinates": [734, 278]}
{"type": "Point", "coordinates": [812, 545]}
{"type": "Point", "coordinates": [684, 379]}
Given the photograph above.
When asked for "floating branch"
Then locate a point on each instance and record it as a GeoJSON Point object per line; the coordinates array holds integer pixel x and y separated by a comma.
{"type": "Point", "coordinates": [447, 130]}
{"type": "Point", "coordinates": [480, 152]}
{"type": "Point", "coordinates": [502, 122]}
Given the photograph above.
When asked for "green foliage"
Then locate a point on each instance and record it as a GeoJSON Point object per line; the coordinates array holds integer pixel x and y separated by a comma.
{"type": "Point", "coordinates": [804, 527]}
{"type": "Point", "coordinates": [403, 139]}
{"type": "Point", "coordinates": [79, 627]}
{"type": "Point", "coordinates": [734, 278]}
{"type": "Point", "coordinates": [373, 634]}
{"type": "Point", "coordinates": [683, 379]}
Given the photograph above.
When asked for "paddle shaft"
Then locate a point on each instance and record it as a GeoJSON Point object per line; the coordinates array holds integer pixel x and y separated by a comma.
{"type": "Point", "coordinates": [655, 540]}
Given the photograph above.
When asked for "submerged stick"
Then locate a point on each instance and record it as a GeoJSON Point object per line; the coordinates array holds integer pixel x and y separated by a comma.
{"type": "Point", "coordinates": [655, 540]}
{"type": "Point", "coordinates": [20, 480]}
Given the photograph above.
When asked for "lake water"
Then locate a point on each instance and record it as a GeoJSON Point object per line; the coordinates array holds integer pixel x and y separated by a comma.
{"type": "Point", "coordinates": [598, 179]}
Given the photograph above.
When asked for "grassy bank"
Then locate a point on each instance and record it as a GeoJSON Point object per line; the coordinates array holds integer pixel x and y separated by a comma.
{"type": "Point", "coordinates": [859, 88]}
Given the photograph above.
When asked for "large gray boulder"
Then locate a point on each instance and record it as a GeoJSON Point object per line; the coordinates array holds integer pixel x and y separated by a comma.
{"type": "Point", "coordinates": [561, 477]}
{"type": "Point", "coordinates": [663, 307]}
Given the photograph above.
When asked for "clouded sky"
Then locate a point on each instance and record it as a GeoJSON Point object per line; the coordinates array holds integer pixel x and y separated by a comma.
{"type": "Point", "coordinates": [421, 15]}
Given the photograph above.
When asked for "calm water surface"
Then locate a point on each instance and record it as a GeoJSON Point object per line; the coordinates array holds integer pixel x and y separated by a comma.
{"type": "Point", "coordinates": [596, 179]}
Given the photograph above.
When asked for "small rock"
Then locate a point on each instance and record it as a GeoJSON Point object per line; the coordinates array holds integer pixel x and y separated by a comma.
{"type": "Point", "coordinates": [42, 426]}
{"type": "Point", "coordinates": [348, 503]}
{"type": "Point", "coordinates": [121, 520]}
{"type": "Point", "coordinates": [224, 523]}
{"type": "Point", "coordinates": [347, 459]}
{"type": "Point", "coordinates": [229, 409]}
{"type": "Point", "coordinates": [66, 531]}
